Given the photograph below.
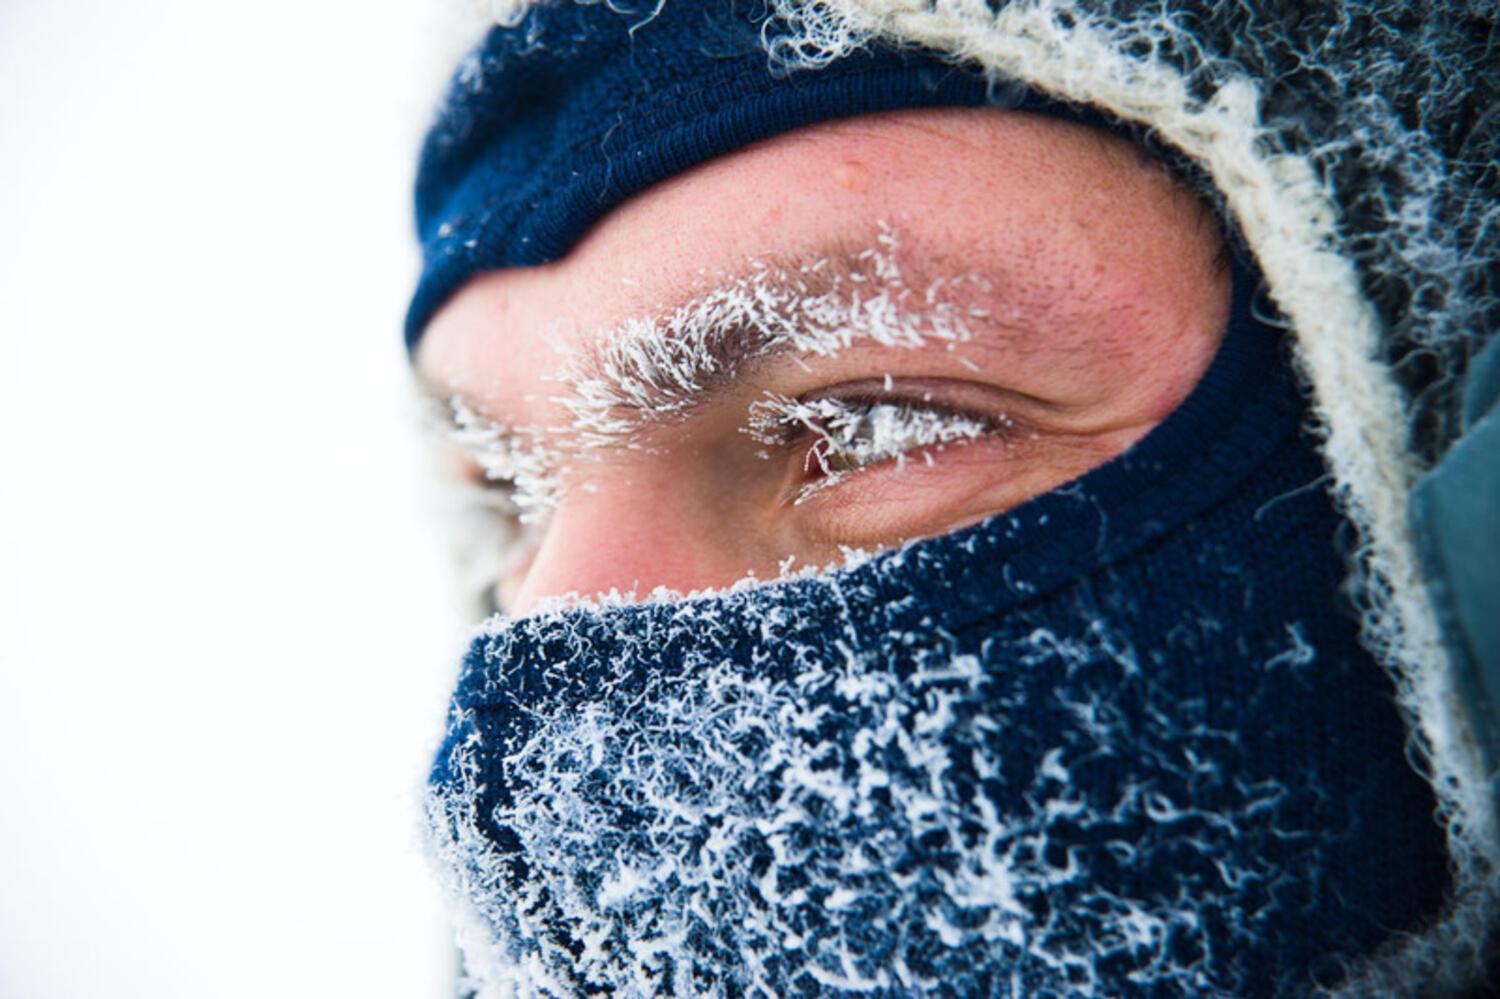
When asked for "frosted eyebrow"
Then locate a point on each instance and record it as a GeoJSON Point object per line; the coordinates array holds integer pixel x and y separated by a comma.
{"type": "Point", "coordinates": [654, 370]}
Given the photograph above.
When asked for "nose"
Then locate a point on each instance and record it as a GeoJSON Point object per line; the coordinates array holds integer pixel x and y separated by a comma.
{"type": "Point", "coordinates": [630, 533]}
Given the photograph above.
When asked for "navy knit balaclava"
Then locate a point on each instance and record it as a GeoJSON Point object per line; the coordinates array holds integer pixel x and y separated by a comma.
{"type": "Point", "coordinates": [1121, 740]}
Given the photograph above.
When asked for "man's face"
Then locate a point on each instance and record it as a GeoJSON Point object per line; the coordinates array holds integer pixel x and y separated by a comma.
{"type": "Point", "coordinates": [852, 335]}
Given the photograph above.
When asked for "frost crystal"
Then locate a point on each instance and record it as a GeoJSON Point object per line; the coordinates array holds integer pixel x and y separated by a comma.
{"type": "Point", "coordinates": [653, 369]}
{"type": "Point", "coordinates": [508, 457]}
{"type": "Point", "coordinates": [851, 435]}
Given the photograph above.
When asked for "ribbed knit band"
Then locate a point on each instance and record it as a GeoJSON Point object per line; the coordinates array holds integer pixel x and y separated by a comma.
{"type": "Point", "coordinates": [553, 122]}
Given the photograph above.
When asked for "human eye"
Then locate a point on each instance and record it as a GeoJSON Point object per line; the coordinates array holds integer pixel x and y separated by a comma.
{"type": "Point", "coordinates": [875, 462]}
{"type": "Point", "coordinates": [856, 428]}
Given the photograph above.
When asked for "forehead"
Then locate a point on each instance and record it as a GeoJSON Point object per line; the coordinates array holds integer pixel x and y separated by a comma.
{"type": "Point", "coordinates": [1062, 221]}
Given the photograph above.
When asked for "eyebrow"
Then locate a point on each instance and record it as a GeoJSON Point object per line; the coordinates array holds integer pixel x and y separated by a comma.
{"type": "Point", "coordinates": [656, 370]}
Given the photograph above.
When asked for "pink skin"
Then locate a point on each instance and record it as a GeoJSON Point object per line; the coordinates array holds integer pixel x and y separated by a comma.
{"type": "Point", "coordinates": [1100, 276]}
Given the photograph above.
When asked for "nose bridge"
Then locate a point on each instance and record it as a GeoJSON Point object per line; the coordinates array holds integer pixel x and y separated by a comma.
{"type": "Point", "coordinates": [625, 533]}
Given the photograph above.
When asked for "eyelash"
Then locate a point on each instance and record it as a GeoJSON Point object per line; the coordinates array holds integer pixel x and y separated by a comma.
{"type": "Point", "coordinates": [518, 482]}
{"type": "Point", "coordinates": [852, 433]}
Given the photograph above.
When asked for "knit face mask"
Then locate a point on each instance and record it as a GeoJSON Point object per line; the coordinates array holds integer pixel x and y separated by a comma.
{"type": "Point", "coordinates": [1116, 741]}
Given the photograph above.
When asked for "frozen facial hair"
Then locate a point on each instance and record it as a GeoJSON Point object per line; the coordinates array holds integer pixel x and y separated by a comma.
{"type": "Point", "coordinates": [849, 436]}
{"type": "Point", "coordinates": [528, 469]}
{"type": "Point", "coordinates": [655, 369]}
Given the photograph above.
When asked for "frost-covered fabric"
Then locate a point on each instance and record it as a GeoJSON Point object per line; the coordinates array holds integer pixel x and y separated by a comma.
{"type": "Point", "coordinates": [1117, 742]}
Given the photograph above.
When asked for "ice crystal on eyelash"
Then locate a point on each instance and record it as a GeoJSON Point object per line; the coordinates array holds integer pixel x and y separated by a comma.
{"type": "Point", "coordinates": [852, 435]}
{"type": "Point", "coordinates": [656, 368]}
{"type": "Point", "coordinates": [890, 427]}
{"type": "Point", "coordinates": [505, 455]}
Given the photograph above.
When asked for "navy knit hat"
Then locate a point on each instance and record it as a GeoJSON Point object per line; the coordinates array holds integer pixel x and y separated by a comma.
{"type": "Point", "coordinates": [554, 121]}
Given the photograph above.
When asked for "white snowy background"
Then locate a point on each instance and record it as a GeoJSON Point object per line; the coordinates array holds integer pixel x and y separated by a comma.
{"type": "Point", "coordinates": [225, 635]}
